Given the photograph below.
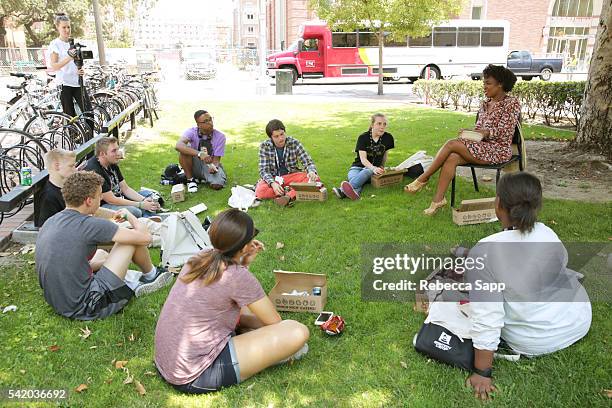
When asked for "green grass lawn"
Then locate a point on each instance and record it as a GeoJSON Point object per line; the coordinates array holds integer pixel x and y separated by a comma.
{"type": "Point", "coordinates": [373, 363]}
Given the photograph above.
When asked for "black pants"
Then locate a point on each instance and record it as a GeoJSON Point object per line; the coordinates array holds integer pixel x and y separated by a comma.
{"type": "Point", "coordinates": [70, 94]}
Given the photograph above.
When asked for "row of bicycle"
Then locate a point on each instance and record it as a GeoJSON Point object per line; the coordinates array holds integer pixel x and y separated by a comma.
{"type": "Point", "coordinates": [32, 123]}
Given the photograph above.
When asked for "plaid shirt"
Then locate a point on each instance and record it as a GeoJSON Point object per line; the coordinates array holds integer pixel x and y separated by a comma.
{"type": "Point", "coordinates": [268, 162]}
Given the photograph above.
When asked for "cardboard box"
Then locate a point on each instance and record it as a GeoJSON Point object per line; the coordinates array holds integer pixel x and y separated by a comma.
{"type": "Point", "coordinates": [286, 282]}
{"type": "Point", "coordinates": [309, 191]}
{"type": "Point", "coordinates": [475, 211]}
{"type": "Point", "coordinates": [388, 178]}
{"type": "Point", "coordinates": [178, 193]}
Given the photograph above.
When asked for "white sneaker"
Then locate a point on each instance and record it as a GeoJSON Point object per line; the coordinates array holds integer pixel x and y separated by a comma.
{"type": "Point", "coordinates": [192, 187]}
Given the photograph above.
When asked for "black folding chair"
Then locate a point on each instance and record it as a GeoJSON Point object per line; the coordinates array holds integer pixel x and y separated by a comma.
{"type": "Point", "coordinates": [516, 140]}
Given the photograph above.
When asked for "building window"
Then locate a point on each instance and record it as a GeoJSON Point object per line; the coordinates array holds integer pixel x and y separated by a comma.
{"type": "Point", "coordinates": [476, 13]}
{"type": "Point", "coordinates": [573, 8]}
{"type": "Point", "coordinates": [250, 16]}
{"type": "Point", "coordinates": [250, 29]}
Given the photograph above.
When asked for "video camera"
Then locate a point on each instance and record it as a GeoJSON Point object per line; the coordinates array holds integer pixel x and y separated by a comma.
{"type": "Point", "coordinates": [79, 53]}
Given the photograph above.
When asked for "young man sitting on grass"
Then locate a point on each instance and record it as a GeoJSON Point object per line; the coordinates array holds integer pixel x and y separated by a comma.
{"type": "Point", "coordinates": [60, 164]}
{"type": "Point", "coordinates": [116, 193]}
{"type": "Point", "coordinates": [200, 150]}
{"type": "Point", "coordinates": [78, 284]}
{"type": "Point", "coordinates": [278, 165]}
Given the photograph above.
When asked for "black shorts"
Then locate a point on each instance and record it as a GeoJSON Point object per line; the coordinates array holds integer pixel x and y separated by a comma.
{"type": "Point", "coordinates": [107, 294]}
{"type": "Point", "coordinates": [223, 372]}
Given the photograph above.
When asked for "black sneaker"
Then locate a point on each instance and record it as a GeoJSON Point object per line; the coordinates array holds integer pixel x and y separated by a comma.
{"type": "Point", "coordinates": [162, 278]}
{"type": "Point", "coordinates": [338, 193]}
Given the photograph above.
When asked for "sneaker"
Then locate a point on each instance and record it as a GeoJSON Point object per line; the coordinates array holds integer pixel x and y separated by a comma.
{"type": "Point", "coordinates": [338, 193]}
{"type": "Point", "coordinates": [163, 278]}
{"type": "Point", "coordinates": [283, 201]}
{"type": "Point", "coordinates": [192, 186]}
{"type": "Point", "coordinates": [348, 190]}
{"type": "Point", "coordinates": [297, 356]}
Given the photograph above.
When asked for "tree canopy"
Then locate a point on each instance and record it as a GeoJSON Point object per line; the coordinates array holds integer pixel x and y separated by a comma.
{"type": "Point", "coordinates": [396, 18]}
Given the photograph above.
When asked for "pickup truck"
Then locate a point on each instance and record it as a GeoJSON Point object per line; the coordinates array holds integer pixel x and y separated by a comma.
{"type": "Point", "coordinates": [525, 66]}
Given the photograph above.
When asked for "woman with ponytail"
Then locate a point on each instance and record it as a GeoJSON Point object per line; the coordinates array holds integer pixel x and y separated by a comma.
{"type": "Point", "coordinates": [196, 348]}
{"type": "Point", "coordinates": [523, 298]}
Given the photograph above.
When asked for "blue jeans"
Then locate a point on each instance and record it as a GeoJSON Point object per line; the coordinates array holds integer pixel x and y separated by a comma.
{"type": "Point", "coordinates": [358, 176]}
{"type": "Point", "coordinates": [136, 212]}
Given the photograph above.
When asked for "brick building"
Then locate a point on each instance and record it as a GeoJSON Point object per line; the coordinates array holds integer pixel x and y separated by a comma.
{"type": "Point", "coordinates": [283, 20]}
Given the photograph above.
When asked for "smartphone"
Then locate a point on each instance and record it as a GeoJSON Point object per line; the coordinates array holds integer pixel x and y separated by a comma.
{"type": "Point", "coordinates": [323, 317]}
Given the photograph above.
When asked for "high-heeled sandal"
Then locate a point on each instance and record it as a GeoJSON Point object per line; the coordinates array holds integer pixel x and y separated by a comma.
{"type": "Point", "coordinates": [414, 187]}
{"type": "Point", "coordinates": [434, 207]}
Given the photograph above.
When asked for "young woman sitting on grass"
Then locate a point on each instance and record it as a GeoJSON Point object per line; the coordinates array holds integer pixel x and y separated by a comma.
{"type": "Point", "coordinates": [542, 309]}
{"type": "Point", "coordinates": [497, 118]}
{"type": "Point", "coordinates": [196, 349]}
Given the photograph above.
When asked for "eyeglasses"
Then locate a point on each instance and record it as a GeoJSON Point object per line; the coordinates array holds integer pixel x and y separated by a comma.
{"type": "Point", "coordinates": [255, 232]}
{"type": "Point", "coordinates": [205, 121]}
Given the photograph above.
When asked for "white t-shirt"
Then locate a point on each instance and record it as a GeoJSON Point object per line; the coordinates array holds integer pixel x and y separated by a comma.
{"type": "Point", "coordinates": [531, 328]}
{"type": "Point", "coordinates": [68, 75]}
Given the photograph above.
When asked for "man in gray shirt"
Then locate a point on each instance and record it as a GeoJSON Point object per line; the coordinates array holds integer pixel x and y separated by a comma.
{"type": "Point", "coordinates": [80, 282]}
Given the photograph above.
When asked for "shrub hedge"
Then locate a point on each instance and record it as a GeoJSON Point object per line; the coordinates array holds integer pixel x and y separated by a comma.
{"type": "Point", "coordinates": [554, 101]}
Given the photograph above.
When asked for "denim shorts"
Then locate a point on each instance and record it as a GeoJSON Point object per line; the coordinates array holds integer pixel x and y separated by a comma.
{"type": "Point", "coordinates": [223, 372]}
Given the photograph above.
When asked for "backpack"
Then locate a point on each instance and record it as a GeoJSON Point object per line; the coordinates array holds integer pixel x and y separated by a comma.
{"type": "Point", "coordinates": [173, 174]}
{"type": "Point", "coordinates": [182, 236]}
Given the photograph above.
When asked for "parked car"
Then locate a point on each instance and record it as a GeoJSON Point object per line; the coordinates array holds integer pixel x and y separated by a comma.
{"type": "Point", "coordinates": [199, 63]}
{"type": "Point", "coordinates": [525, 66]}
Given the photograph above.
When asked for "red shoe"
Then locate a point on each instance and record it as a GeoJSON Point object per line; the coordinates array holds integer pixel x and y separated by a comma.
{"type": "Point", "coordinates": [349, 191]}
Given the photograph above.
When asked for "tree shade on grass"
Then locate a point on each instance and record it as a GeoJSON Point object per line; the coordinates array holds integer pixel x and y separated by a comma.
{"type": "Point", "coordinates": [373, 363]}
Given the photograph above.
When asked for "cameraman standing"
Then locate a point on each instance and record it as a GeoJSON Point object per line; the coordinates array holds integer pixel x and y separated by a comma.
{"type": "Point", "coordinates": [67, 73]}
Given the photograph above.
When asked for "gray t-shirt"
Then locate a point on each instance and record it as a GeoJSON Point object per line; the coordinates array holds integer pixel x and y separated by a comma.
{"type": "Point", "coordinates": [65, 244]}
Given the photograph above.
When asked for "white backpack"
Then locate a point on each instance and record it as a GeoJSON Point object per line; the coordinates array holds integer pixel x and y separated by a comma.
{"type": "Point", "coordinates": [182, 236]}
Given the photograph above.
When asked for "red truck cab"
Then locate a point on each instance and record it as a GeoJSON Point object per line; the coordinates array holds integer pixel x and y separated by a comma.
{"type": "Point", "coordinates": [306, 57]}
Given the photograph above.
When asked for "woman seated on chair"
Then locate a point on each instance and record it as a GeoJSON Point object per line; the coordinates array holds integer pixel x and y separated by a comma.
{"type": "Point", "coordinates": [196, 349]}
{"type": "Point", "coordinates": [497, 118]}
{"type": "Point", "coordinates": [543, 307]}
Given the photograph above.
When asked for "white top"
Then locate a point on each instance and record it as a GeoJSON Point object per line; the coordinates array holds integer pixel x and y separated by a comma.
{"type": "Point", "coordinates": [68, 75]}
{"type": "Point", "coordinates": [531, 328]}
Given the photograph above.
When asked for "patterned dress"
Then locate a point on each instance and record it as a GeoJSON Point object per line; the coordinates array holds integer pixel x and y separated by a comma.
{"type": "Point", "coordinates": [500, 118]}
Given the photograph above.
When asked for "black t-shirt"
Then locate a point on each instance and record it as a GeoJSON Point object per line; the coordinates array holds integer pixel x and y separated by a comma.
{"type": "Point", "coordinates": [205, 142]}
{"type": "Point", "coordinates": [50, 201]}
{"type": "Point", "coordinates": [112, 177]}
{"type": "Point", "coordinates": [282, 166]}
{"type": "Point", "coordinates": [375, 150]}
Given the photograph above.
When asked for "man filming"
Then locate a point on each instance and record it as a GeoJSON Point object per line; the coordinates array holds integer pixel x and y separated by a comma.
{"type": "Point", "coordinates": [64, 63]}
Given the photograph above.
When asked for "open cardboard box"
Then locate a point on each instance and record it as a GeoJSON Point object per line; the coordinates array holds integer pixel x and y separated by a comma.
{"type": "Point", "coordinates": [388, 178]}
{"type": "Point", "coordinates": [178, 193]}
{"type": "Point", "coordinates": [475, 211]}
{"type": "Point", "coordinates": [300, 281]}
{"type": "Point", "coordinates": [309, 191]}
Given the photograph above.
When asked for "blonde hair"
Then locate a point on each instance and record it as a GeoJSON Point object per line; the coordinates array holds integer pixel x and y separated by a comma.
{"type": "Point", "coordinates": [58, 155]}
{"type": "Point", "coordinates": [374, 116]}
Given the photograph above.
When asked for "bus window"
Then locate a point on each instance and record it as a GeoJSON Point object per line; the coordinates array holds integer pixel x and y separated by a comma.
{"type": "Point", "coordinates": [468, 37]}
{"type": "Point", "coordinates": [492, 37]}
{"type": "Point", "coordinates": [445, 37]}
{"type": "Point", "coordinates": [367, 39]}
{"type": "Point", "coordinates": [390, 42]}
{"type": "Point", "coordinates": [420, 41]}
{"type": "Point", "coordinates": [344, 40]}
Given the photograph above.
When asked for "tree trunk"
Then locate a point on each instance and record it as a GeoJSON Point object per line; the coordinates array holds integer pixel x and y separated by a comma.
{"type": "Point", "coordinates": [381, 39]}
{"type": "Point", "coordinates": [595, 127]}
